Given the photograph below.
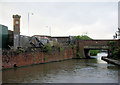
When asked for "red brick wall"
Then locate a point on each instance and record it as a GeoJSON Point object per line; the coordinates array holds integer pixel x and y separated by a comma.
{"type": "Point", "coordinates": [97, 42]}
{"type": "Point", "coordinates": [24, 59]}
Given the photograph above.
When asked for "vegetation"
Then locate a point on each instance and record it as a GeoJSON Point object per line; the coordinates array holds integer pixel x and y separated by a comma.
{"type": "Point", "coordinates": [47, 48]}
{"type": "Point", "coordinates": [79, 55]}
{"type": "Point", "coordinates": [116, 53]}
{"type": "Point", "coordinates": [112, 43]}
{"type": "Point", "coordinates": [94, 52]}
{"type": "Point", "coordinates": [74, 46]}
{"type": "Point", "coordinates": [61, 49]}
{"type": "Point", "coordinates": [45, 58]}
{"type": "Point", "coordinates": [83, 37]}
{"type": "Point", "coordinates": [114, 50]}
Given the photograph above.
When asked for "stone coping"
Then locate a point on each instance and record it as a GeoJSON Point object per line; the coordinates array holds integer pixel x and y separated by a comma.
{"type": "Point", "coordinates": [116, 62]}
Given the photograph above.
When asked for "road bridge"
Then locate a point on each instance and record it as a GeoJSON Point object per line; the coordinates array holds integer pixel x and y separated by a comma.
{"type": "Point", "coordinates": [84, 46]}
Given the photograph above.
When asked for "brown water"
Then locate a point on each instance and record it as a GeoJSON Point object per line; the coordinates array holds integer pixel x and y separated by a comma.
{"type": "Point", "coordinates": [69, 71]}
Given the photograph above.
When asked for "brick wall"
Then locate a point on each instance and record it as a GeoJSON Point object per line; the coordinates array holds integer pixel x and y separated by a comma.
{"type": "Point", "coordinates": [9, 60]}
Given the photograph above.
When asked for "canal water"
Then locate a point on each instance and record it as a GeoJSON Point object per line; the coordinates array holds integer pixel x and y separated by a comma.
{"type": "Point", "coordinates": [69, 71]}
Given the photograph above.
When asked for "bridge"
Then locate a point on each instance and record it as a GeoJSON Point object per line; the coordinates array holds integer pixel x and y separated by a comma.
{"type": "Point", "coordinates": [84, 46]}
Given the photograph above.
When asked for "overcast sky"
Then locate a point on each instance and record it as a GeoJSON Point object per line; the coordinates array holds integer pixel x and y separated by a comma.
{"type": "Point", "coordinates": [98, 19]}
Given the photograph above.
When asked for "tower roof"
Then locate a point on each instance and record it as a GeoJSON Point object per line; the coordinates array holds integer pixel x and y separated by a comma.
{"type": "Point", "coordinates": [16, 16]}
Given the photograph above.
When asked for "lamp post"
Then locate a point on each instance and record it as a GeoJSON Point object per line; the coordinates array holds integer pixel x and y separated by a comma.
{"type": "Point", "coordinates": [28, 20]}
{"type": "Point", "coordinates": [49, 29]}
{"type": "Point", "coordinates": [119, 33]}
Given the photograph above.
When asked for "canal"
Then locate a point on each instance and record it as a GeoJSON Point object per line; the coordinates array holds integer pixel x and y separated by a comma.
{"type": "Point", "coordinates": [69, 71]}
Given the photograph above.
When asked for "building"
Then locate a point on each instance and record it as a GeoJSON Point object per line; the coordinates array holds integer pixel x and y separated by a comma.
{"type": "Point", "coordinates": [10, 38]}
{"type": "Point", "coordinates": [3, 36]}
{"type": "Point", "coordinates": [61, 39]}
{"type": "Point", "coordinates": [16, 29]}
{"type": "Point", "coordinates": [15, 40]}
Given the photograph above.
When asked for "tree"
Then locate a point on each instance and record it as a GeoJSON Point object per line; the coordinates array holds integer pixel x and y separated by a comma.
{"type": "Point", "coordinates": [83, 37]}
{"type": "Point", "coordinates": [114, 50]}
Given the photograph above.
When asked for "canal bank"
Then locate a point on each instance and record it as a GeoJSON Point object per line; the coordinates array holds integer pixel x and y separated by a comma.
{"type": "Point", "coordinates": [109, 60]}
{"type": "Point", "coordinates": [69, 71]}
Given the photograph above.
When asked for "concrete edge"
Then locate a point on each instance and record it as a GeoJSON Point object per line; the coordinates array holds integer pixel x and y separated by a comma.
{"type": "Point", "coordinates": [116, 62]}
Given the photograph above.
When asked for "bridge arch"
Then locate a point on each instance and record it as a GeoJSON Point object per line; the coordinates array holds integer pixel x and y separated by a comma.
{"type": "Point", "coordinates": [84, 46]}
{"type": "Point", "coordinates": [87, 52]}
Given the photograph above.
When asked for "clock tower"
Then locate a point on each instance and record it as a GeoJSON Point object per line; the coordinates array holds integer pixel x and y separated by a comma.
{"type": "Point", "coordinates": [16, 24]}
{"type": "Point", "coordinates": [16, 30]}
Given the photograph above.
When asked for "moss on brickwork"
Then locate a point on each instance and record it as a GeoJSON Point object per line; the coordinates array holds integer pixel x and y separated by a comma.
{"type": "Point", "coordinates": [47, 48]}
{"type": "Point", "coordinates": [79, 55]}
{"type": "Point", "coordinates": [61, 49]}
{"type": "Point", "coordinates": [45, 58]}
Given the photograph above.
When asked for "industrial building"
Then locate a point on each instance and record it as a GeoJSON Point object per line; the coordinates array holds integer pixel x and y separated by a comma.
{"type": "Point", "coordinates": [13, 39]}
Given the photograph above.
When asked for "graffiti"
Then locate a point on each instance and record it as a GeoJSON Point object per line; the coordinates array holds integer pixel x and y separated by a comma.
{"type": "Point", "coordinates": [6, 58]}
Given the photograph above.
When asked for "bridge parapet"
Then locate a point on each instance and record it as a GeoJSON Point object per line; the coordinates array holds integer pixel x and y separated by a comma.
{"type": "Point", "coordinates": [96, 47]}
{"type": "Point", "coordinates": [96, 43]}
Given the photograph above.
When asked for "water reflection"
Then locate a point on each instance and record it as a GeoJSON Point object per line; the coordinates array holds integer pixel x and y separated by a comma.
{"type": "Point", "coordinates": [70, 71]}
{"type": "Point", "coordinates": [98, 57]}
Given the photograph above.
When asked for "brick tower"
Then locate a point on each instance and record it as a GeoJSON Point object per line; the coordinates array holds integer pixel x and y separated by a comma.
{"type": "Point", "coordinates": [16, 29]}
{"type": "Point", "coordinates": [16, 24]}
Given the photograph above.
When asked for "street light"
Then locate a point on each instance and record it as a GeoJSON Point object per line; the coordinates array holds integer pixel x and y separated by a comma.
{"type": "Point", "coordinates": [49, 29]}
{"type": "Point", "coordinates": [118, 33]}
{"type": "Point", "coordinates": [28, 20]}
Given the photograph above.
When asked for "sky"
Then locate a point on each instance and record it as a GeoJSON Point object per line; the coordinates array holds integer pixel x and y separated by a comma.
{"type": "Point", "coordinates": [97, 18]}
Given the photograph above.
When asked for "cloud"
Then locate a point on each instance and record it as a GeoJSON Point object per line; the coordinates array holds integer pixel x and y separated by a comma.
{"type": "Point", "coordinates": [64, 18]}
{"type": "Point", "coordinates": [59, 0]}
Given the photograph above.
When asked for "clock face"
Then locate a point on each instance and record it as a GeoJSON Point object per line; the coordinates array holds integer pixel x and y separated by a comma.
{"type": "Point", "coordinates": [16, 22]}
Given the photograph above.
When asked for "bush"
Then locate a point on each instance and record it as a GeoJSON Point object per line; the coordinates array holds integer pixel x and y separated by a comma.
{"type": "Point", "coordinates": [79, 55]}
{"type": "Point", "coordinates": [115, 50]}
{"type": "Point", "coordinates": [74, 47]}
{"type": "Point", "coordinates": [47, 48]}
{"type": "Point", "coordinates": [61, 49]}
{"type": "Point", "coordinates": [112, 43]}
{"type": "Point", "coordinates": [83, 37]}
{"type": "Point", "coordinates": [94, 52]}
{"type": "Point", "coordinates": [116, 53]}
